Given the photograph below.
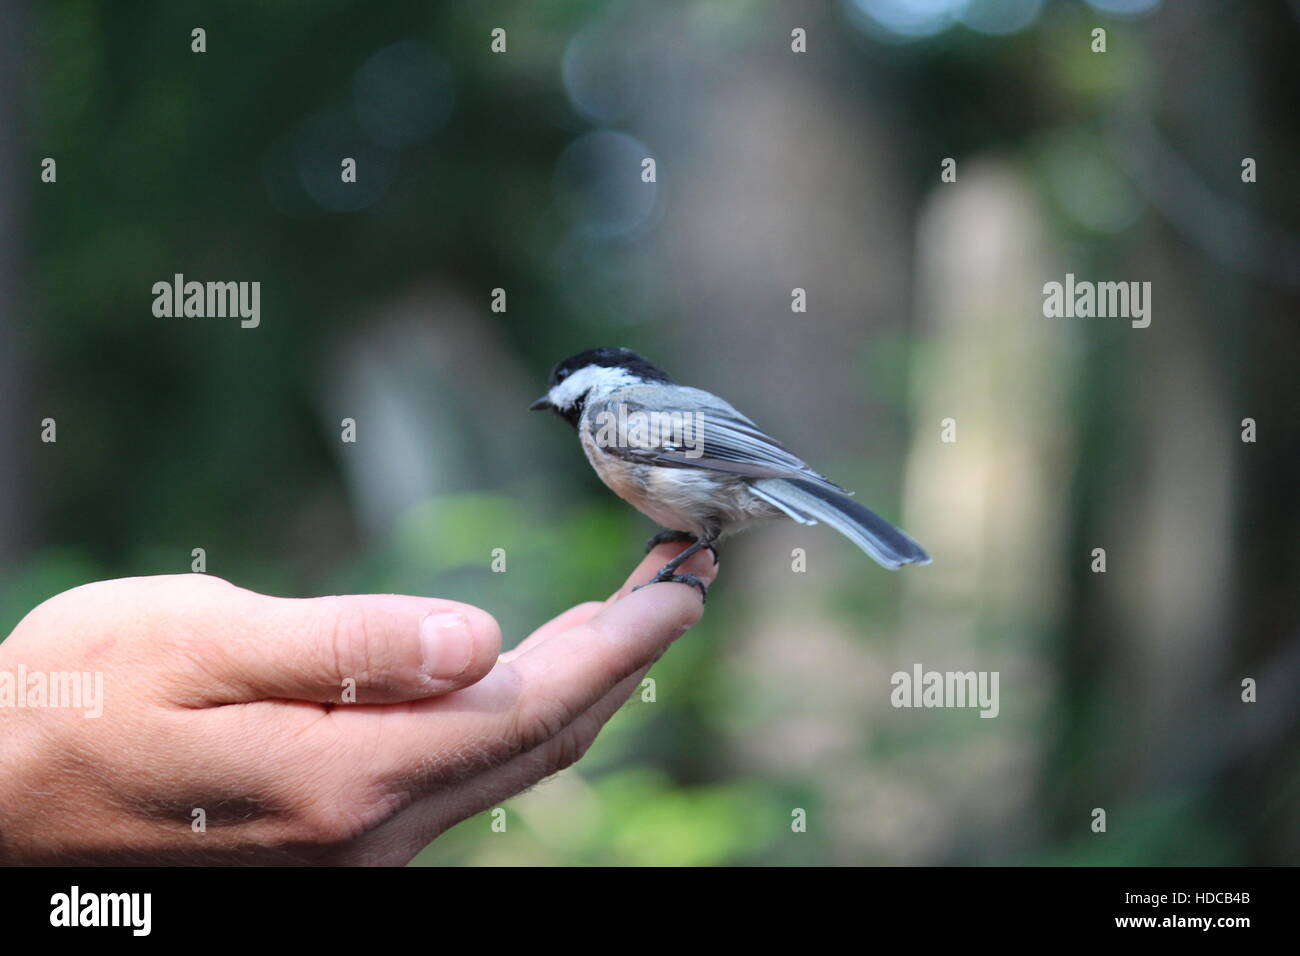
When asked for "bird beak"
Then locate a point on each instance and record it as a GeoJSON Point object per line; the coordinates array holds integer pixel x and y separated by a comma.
{"type": "Point", "coordinates": [540, 405]}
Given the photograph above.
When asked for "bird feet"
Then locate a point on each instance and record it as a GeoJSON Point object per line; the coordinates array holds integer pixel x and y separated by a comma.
{"type": "Point", "coordinates": [690, 579]}
{"type": "Point", "coordinates": [663, 537]}
{"type": "Point", "coordinates": [669, 571]}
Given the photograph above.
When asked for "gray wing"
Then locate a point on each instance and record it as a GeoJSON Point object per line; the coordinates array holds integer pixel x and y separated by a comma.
{"type": "Point", "coordinates": [721, 438]}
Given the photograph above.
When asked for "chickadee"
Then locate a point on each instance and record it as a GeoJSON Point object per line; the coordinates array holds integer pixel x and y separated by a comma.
{"type": "Point", "coordinates": [690, 462]}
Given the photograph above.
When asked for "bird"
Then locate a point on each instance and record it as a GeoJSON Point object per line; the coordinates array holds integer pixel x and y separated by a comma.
{"type": "Point", "coordinates": [696, 466]}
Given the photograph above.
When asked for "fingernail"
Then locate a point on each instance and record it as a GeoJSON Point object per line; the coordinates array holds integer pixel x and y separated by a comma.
{"type": "Point", "coordinates": [448, 644]}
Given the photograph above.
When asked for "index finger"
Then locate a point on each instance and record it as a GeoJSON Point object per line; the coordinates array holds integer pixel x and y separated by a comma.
{"type": "Point", "coordinates": [581, 613]}
{"type": "Point", "coordinates": [526, 700]}
{"type": "Point", "coordinates": [564, 676]}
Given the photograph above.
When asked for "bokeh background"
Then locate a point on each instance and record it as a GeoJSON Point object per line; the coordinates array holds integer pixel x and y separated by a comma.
{"type": "Point", "coordinates": [775, 170]}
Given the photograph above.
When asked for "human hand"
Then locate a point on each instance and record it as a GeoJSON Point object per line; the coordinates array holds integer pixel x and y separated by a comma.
{"type": "Point", "coordinates": [225, 701]}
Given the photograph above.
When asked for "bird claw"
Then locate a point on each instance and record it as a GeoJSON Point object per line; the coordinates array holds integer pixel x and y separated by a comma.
{"type": "Point", "coordinates": [666, 537]}
{"type": "Point", "coordinates": [689, 579]}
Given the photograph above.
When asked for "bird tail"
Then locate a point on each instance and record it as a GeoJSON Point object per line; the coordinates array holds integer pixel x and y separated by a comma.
{"type": "Point", "coordinates": [809, 502]}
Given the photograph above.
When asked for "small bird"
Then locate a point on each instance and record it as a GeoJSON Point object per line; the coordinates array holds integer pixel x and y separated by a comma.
{"type": "Point", "coordinates": [690, 462]}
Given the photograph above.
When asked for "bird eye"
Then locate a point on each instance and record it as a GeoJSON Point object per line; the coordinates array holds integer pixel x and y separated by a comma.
{"type": "Point", "coordinates": [561, 375]}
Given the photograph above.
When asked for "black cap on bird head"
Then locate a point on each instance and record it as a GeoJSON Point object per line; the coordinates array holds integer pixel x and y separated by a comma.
{"type": "Point", "coordinates": [570, 406]}
{"type": "Point", "coordinates": [609, 357]}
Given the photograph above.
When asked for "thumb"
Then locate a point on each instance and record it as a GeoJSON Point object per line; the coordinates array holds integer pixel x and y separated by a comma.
{"type": "Point", "coordinates": [363, 648]}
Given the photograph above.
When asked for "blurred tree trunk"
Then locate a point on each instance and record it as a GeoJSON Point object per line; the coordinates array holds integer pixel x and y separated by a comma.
{"type": "Point", "coordinates": [988, 505]}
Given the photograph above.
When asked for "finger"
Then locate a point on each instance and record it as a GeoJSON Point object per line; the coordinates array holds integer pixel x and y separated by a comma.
{"type": "Point", "coordinates": [578, 614]}
{"type": "Point", "coordinates": [700, 564]}
{"type": "Point", "coordinates": [530, 698]}
{"type": "Point", "coordinates": [374, 648]}
{"type": "Point", "coordinates": [430, 814]}
{"type": "Point", "coordinates": [567, 674]}
{"type": "Point", "coordinates": [655, 560]}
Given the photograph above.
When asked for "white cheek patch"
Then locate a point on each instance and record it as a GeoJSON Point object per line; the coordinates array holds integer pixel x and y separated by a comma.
{"type": "Point", "coordinates": [593, 377]}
